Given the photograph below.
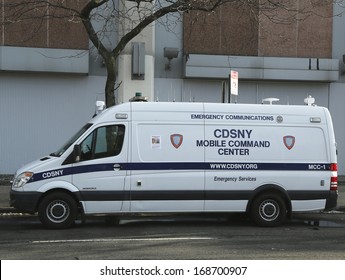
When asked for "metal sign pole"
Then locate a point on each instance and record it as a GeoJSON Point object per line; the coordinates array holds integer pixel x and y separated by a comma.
{"type": "Point", "coordinates": [229, 93]}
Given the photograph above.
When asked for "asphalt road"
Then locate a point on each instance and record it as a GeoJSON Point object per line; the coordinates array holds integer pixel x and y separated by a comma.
{"type": "Point", "coordinates": [307, 236]}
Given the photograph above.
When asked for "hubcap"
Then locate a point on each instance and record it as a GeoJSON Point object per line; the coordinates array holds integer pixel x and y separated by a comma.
{"type": "Point", "coordinates": [269, 210]}
{"type": "Point", "coordinates": [58, 211]}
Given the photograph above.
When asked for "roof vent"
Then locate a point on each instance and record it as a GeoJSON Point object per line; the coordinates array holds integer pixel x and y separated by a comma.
{"type": "Point", "coordinates": [269, 100]}
{"type": "Point", "coordinates": [100, 106]}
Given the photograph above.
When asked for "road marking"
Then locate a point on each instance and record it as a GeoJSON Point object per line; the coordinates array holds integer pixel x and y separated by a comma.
{"type": "Point", "coordinates": [121, 239]}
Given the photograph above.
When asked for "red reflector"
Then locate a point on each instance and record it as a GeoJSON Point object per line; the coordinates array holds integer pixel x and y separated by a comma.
{"type": "Point", "coordinates": [334, 167]}
{"type": "Point", "coordinates": [334, 177]}
{"type": "Point", "coordinates": [334, 183]}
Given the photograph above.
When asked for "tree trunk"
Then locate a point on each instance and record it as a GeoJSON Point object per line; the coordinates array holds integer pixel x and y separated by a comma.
{"type": "Point", "coordinates": [110, 83]}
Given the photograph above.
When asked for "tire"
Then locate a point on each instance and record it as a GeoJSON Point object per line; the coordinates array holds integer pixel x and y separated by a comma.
{"type": "Point", "coordinates": [268, 210]}
{"type": "Point", "coordinates": [58, 210]}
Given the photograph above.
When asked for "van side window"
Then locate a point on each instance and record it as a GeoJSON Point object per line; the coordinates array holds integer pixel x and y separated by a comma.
{"type": "Point", "coordinates": [106, 141]}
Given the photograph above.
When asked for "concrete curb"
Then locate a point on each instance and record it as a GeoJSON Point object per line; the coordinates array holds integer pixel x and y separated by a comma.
{"type": "Point", "coordinates": [9, 210]}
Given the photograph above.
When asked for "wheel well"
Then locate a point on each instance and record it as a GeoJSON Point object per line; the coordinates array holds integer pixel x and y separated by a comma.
{"type": "Point", "coordinates": [273, 189]}
{"type": "Point", "coordinates": [72, 194]}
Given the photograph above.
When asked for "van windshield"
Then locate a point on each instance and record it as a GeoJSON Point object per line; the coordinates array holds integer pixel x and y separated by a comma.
{"type": "Point", "coordinates": [59, 152]}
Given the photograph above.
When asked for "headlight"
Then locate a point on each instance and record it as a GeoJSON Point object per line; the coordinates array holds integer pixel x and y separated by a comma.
{"type": "Point", "coordinates": [22, 179]}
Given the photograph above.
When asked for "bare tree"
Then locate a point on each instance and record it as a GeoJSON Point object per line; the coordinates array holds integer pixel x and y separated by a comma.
{"type": "Point", "coordinates": [140, 15]}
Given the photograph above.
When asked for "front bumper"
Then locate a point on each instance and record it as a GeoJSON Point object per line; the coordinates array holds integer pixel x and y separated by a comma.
{"type": "Point", "coordinates": [25, 202]}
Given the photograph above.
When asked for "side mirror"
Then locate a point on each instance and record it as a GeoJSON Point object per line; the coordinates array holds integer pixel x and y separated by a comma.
{"type": "Point", "coordinates": [76, 153]}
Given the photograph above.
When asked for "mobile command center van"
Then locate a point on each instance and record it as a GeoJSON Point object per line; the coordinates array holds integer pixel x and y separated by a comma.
{"type": "Point", "coordinates": [135, 158]}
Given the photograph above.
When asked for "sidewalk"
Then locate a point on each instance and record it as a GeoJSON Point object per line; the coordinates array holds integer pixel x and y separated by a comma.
{"type": "Point", "coordinates": [5, 196]}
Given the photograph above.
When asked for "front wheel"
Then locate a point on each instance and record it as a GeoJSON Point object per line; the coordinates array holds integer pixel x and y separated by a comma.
{"type": "Point", "coordinates": [58, 210]}
{"type": "Point", "coordinates": [268, 210]}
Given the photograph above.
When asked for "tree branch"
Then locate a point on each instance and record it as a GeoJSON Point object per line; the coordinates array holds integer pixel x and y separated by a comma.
{"type": "Point", "coordinates": [85, 16]}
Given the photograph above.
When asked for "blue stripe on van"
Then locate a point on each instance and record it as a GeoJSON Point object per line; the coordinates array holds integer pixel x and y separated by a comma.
{"type": "Point", "coordinates": [227, 166]}
{"type": "Point", "coordinates": [179, 195]}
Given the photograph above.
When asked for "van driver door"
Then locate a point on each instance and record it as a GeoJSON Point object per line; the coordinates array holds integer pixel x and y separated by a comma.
{"type": "Point", "coordinates": [98, 174]}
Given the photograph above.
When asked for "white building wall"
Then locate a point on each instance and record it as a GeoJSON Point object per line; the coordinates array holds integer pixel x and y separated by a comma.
{"type": "Point", "coordinates": [39, 112]}
{"type": "Point", "coordinates": [337, 89]}
{"type": "Point", "coordinates": [337, 103]}
{"type": "Point", "coordinates": [250, 92]}
{"type": "Point", "coordinates": [128, 85]}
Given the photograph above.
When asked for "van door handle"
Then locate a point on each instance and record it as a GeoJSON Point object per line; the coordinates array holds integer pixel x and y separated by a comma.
{"type": "Point", "coordinates": [117, 167]}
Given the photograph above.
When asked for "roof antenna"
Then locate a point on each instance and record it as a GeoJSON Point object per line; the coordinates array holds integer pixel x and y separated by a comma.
{"type": "Point", "coordinates": [309, 101]}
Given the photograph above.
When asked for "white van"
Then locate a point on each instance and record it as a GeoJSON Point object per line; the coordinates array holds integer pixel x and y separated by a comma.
{"type": "Point", "coordinates": [143, 157]}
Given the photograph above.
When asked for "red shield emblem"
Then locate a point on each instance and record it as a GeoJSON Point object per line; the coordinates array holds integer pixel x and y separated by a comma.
{"type": "Point", "coordinates": [289, 141]}
{"type": "Point", "coordinates": [176, 140]}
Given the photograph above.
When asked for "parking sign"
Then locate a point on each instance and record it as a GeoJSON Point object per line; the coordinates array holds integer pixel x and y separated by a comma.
{"type": "Point", "coordinates": [234, 82]}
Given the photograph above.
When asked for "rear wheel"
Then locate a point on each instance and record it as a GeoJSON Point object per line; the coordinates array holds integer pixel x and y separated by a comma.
{"type": "Point", "coordinates": [268, 210]}
{"type": "Point", "coordinates": [58, 210]}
